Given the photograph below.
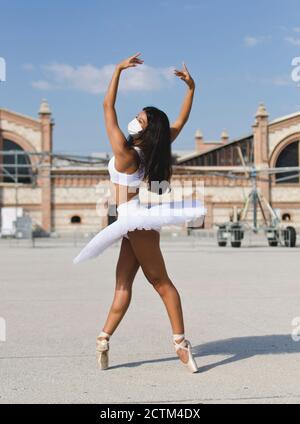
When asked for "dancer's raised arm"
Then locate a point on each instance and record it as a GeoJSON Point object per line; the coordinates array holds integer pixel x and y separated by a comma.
{"type": "Point", "coordinates": [177, 126]}
{"type": "Point", "coordinates": [116, 136]}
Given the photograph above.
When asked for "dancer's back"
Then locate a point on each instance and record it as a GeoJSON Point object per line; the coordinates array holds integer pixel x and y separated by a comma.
{"type": "Point", "coordinates": [126, 183]}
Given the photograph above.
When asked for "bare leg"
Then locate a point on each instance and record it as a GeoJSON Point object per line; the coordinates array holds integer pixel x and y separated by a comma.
{"type": "Point", "coordinates": [145, 245]}
{"type": "Point", "coordinates": [126, 270]}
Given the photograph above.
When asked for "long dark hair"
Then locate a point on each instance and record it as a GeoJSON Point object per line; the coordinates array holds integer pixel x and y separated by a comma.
{"type": "Point", "coordinates": [155, 144]}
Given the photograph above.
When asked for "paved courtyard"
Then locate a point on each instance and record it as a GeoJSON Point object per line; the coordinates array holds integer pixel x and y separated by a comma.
{"type": "Point", "coordinates": [238, 304]}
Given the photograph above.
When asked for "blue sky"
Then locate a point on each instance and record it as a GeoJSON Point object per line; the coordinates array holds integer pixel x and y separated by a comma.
{"type": "Point", "coordinates": [239, 53]}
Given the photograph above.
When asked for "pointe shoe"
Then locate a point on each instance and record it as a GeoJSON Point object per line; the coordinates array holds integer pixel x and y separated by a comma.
{"type": "Point", "coordinates": [102, 349]}
{"type": "Point", "coordinates": [186, 345]}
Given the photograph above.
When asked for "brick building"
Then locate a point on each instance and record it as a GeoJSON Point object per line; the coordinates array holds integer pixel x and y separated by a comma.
{"type": "Point", "coordinates": [61, 195]}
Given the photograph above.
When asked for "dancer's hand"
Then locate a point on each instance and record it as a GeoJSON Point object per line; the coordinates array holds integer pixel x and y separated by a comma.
{"type": "Point", "coordinates": [130, 62]}
{"type": "Point", "coordinates": [185, 76]}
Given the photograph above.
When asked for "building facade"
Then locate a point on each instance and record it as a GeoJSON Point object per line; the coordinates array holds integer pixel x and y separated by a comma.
{"type": "Point", "coordinates": [269, 146]}
{"type": "Point", "coordinates": [61, 195]}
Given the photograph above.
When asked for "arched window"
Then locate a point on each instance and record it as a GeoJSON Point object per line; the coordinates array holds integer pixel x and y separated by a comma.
{"type": "Point", "coordinates": [288, 157]}
{"type": "Point", "coordinates": [286, 217]}
{"type": "Point", "coordinates": [76, 219]}
{"type": "Point", "coordinates": [15, 163]}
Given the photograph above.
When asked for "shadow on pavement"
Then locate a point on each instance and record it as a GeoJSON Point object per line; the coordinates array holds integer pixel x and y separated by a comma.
{"type": "Point", "coordinates": [239, 348]}
{"type": "Point", "coordinates": [246, 347]}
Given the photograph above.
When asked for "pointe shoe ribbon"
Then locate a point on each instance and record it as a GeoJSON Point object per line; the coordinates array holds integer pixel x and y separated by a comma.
{"type": "Point", "coordinates": [102, 348]}
{"type": "Point", "coordinates": [191, 364]}
{"type": "Point", "coordinates": [102, 345]}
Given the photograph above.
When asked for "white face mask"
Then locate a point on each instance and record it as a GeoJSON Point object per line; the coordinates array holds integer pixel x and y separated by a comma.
{"type": "Point", "coordinates": [134, 127]}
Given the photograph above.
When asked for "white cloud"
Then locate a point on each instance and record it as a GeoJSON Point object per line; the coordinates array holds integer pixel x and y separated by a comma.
{"type": "Point", "coordinates": [251, 41]}
{"type": "Point", "coordinates": [42, 85]}
{"type": "Point", "coordinates": [279, 80]}
{"type": "Point", "coordinates": [90, 79]}
{"type": "Point", "coordinates": [28, 67]}
{"type": "Point", "coordinates": [297, 29]}
{"type": "Point", "coordinates": [292, 40]}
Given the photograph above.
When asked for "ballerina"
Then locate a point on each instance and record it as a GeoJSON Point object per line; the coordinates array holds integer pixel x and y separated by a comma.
{"type": "Point", "coordinates": [145, 155]}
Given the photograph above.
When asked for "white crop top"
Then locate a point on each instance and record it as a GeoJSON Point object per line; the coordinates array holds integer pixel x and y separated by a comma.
{"type": "Point", "coordinates": [133, 180]}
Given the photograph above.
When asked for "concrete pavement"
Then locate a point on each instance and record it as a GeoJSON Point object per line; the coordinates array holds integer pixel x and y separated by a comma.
{"type": "Point", "coordinates": [238, 306]}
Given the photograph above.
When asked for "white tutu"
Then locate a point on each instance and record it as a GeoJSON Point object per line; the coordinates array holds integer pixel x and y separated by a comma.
{"type": "Point", "coordinates": [133, 215]}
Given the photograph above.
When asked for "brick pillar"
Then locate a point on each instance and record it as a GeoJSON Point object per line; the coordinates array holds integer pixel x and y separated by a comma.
{"type": "Point", "coordinates": [45, 172]}
{"type": "Point", "coordinates": [198, 141]}
{"type": "Point", "coordinates": [224, 137]}
{"type": "Point", "coordinates": [208, 223]}
{"type": "Point", "coordinates": [261, 154]}
{"type": "Point", "coordinates": [1, 174]}
{"type": "Point", "coordinates": [1, 156]}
